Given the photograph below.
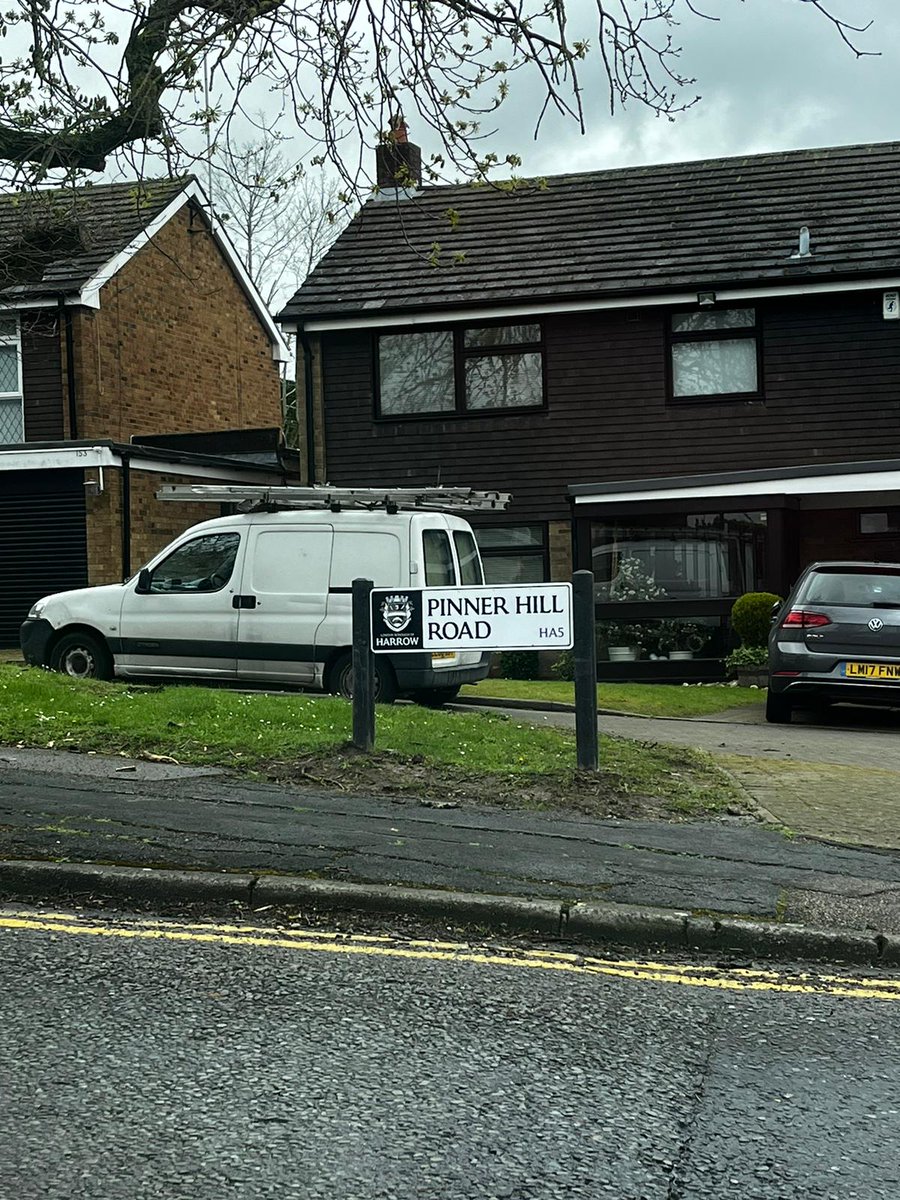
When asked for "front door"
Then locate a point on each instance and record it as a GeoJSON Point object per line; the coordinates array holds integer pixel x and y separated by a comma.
{"type": "Point", "coordinates": [185, 622]}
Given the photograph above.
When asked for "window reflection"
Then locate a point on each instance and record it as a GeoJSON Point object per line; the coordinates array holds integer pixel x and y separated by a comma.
{"type": "Point", "coordinates": [703, 556]}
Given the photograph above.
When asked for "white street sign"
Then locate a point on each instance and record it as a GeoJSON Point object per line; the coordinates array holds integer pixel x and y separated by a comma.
{"type": "Point", "coordinates": [535, 616]}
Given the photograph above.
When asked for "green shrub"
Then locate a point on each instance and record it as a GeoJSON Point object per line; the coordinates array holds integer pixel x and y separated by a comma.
{"type": "Point", "coordinates": [747, 658]}
{"type": "Point", "coordinates": [751, 617]}
{"type": "Point", "coordinates": [564, 667]}
{"type": "Point", "coordinates": [520, 664]}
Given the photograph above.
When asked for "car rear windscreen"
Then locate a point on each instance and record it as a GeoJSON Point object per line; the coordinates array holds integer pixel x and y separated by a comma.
{"type": "Point", "coordinates": [864, 587]}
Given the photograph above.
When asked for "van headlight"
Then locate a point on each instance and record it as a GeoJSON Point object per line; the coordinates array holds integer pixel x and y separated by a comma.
{"type": "Point", "coordinates": [36, 609]}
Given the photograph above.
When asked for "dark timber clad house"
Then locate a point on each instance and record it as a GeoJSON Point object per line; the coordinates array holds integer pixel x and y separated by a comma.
{"type": "Point", "coordinates": [128, 327]}
{"type": "Point", "coordinates": [690, 370]}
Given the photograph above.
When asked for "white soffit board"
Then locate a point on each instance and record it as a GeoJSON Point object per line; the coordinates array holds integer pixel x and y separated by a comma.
{"type": "Point", "coordinates": [90, 293]}
{"type": "Point", "coordinates": [83, 457]}
{"type": "Point", "coordinates": [501, 312]}
{"type": "Point", "coordinates": [195, 471]}
{"type": "Point", "coordinates": [50, 459]}
{"type": "Point", "coordinates": [800, 485]}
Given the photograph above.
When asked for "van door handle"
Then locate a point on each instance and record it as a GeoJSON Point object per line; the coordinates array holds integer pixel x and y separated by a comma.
{"type": "Point", "coordinates": [243, 602]}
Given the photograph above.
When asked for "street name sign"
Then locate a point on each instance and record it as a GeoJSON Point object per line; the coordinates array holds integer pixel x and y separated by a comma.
{"type": "Point", "coordinates": [535, 616]}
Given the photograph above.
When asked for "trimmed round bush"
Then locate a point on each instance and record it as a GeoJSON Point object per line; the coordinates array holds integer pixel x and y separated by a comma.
{"type": "Point", "coordinates": [751, 617]}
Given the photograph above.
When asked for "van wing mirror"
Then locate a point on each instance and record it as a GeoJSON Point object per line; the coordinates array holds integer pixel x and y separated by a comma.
{"type": "Point", "coordinates": [143, 583]}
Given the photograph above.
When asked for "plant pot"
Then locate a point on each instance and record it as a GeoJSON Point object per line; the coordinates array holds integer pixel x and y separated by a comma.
{"type": "Point", "coordinates": [623, 653]}
{"type": "Point", "coordinates": [680, 655]}
{"type": "Point", "coordinates": [752, 678]}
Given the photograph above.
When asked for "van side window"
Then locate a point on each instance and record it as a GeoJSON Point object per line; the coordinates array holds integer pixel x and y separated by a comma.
{"type": "Point", "coordinates": [469, 562]}
{"type": "Point", "coordinates": [438, 559]}
{"type": "Point", "coordinates": [201, 565]}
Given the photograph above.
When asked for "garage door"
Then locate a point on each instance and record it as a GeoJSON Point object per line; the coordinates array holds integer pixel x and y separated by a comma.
{"type": "Point", "coordinates": [43, 544]}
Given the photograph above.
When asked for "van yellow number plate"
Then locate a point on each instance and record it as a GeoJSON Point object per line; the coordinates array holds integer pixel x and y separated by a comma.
{"type": "Point", "coordinates": [860, 670]}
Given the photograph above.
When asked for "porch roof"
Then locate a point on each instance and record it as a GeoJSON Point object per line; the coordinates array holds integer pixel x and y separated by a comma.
{"type": "Point", "coordinates": [820, 479]}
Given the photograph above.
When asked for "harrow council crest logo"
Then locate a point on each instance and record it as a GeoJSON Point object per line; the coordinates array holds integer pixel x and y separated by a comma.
{"type": "Point", "coordinates": [397, 612]}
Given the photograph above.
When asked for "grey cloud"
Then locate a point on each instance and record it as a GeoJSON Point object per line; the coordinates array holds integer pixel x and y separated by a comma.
{"type": "Point", "coordinates": [772, 74]}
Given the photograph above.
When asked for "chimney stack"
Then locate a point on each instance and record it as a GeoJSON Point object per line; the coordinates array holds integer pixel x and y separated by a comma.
{"type": "Point", "coordinates": [398, 162]}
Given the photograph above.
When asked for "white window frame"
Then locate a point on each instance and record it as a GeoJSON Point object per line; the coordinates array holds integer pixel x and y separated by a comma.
{"type": "Point", "coordinates": [15, 340]}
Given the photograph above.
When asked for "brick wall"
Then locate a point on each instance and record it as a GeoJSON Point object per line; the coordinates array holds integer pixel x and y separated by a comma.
{"type": "Point", "coordinates": [834, 533]}
{"type": "Point", "coordinates": [175, 347]}
{"type": "Point", "coordinates": [154, 523]}
{"type": "Point", "coordinates": [560, 545]}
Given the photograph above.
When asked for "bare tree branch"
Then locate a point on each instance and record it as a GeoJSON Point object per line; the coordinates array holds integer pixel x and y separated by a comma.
{"type": "Point", "coordinates": [102, 78]}
{"type": "Point", "coordinates": [281, 219]}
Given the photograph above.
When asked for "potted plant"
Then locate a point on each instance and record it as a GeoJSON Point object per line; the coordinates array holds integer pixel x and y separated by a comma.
{"type": "Point", "coordinates": [750, 664]}
{"type": "Point", "coordinates": [623, 641]}
{"type": "Point", "coordinates": [681, 639]}
{"type": "Point", "coordinates": [632, 584]}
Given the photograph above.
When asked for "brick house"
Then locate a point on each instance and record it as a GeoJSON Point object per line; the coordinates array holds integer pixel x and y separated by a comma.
{"type": "Point", "coordinates": [125, 314]}
{"type": "Point", "coordinates": [693, 366]}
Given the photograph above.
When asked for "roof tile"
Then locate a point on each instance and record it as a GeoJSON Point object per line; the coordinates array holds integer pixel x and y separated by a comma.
{"type": "Point", "coordinates": [676, 226]}
{"type": "Point", "coordinates": [54, 241]}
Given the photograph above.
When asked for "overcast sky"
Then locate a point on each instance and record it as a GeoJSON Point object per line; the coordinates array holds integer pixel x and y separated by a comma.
{"type": "Point", "coordinates": [772, 74]}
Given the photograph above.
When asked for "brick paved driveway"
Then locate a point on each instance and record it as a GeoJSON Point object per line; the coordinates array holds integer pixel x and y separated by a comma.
{"type": "Point", "coordinates": [836, 778]}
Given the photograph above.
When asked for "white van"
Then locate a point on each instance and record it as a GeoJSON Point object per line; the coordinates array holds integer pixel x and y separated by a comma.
{"type": "Point", "coordinates": [264, 596]}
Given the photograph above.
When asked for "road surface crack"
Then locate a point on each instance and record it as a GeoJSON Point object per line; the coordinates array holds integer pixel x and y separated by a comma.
{"type": "Point", "coordinates": [676, 1188]}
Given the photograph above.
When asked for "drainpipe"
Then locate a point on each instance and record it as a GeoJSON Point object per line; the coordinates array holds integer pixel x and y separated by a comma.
{"type": "Point", "coordinates": [126, 514]}
{"type": "Point", "coordinates": [309, 407]}
{"type": "Point", "coordinates": [66, 314]}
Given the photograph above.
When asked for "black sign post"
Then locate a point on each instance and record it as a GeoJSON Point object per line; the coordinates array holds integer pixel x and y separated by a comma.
{"type": "Point", "coordinates": [363, 668]}
{"type": "Point", "coordinates": [585, 655]}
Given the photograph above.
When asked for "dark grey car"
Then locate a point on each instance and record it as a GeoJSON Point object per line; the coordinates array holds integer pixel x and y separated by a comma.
{"type": "Point", "coordinates": [836, 637]}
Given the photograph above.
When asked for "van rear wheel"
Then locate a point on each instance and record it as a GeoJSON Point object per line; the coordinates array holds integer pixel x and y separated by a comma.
{"type": "Point", "coordinates": [340, 680]}
{"type": "Point", "coordinates": [82, 656]}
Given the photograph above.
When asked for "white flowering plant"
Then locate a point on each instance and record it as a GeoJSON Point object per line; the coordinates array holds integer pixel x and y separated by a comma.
{"type": "Point", "coordinates": [631, 584]}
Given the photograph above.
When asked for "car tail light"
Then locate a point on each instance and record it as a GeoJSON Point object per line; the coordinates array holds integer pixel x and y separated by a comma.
{"type": "Point", "coordinates": [808, 620]}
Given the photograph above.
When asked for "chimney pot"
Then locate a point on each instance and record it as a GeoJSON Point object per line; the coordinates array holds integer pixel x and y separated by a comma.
{"type": "Point", "coordinates": [398, 161]}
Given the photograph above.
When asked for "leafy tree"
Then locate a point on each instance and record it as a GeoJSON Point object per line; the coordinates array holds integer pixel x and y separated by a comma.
{"type": "Point", "coordinates": [85, 80]}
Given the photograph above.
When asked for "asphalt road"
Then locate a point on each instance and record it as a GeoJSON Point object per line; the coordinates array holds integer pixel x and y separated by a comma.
{"type": "Point", "coordinates": [847, 735]}
{"type": "Point", "coordinates": [163, 1060]}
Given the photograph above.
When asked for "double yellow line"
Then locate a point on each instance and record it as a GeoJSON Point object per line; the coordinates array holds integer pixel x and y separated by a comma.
{"type": "Point", "coordinates": [739, 979]}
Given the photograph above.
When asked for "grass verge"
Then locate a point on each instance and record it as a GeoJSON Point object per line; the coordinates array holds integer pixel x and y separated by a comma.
{"type": "Point", "coordinates": [643, 699]}
{"type": "Point", "coordinates": [450, 757]}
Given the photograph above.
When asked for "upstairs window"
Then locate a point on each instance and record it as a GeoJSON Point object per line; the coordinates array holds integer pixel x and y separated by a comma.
{"type": "Point", "coordinates": [12, 416]}
{"type": "Point", "coordinates": [715, 354]}
{"type": "Point", "coordinates": [485, 369]}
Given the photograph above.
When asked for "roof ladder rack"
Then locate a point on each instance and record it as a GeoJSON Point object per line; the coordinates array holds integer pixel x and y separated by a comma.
{"type": "Point", "coordinates": [258, 498]}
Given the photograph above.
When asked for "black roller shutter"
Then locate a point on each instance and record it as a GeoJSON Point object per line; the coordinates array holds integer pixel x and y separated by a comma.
{"type": "Point", "coordinates": [43, 541]}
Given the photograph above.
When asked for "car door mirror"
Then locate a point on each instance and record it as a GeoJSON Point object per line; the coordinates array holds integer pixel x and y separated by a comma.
{"type": "Point", "coordinates": [776, 609]}
{"type": "Point", "coordinates": [143, 583]}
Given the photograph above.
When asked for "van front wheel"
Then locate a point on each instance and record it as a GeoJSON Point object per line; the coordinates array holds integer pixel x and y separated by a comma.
{"type": "Point", "coordinates": [82, 656]}
{"type": "Point", "coordinates": [340, 680]}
